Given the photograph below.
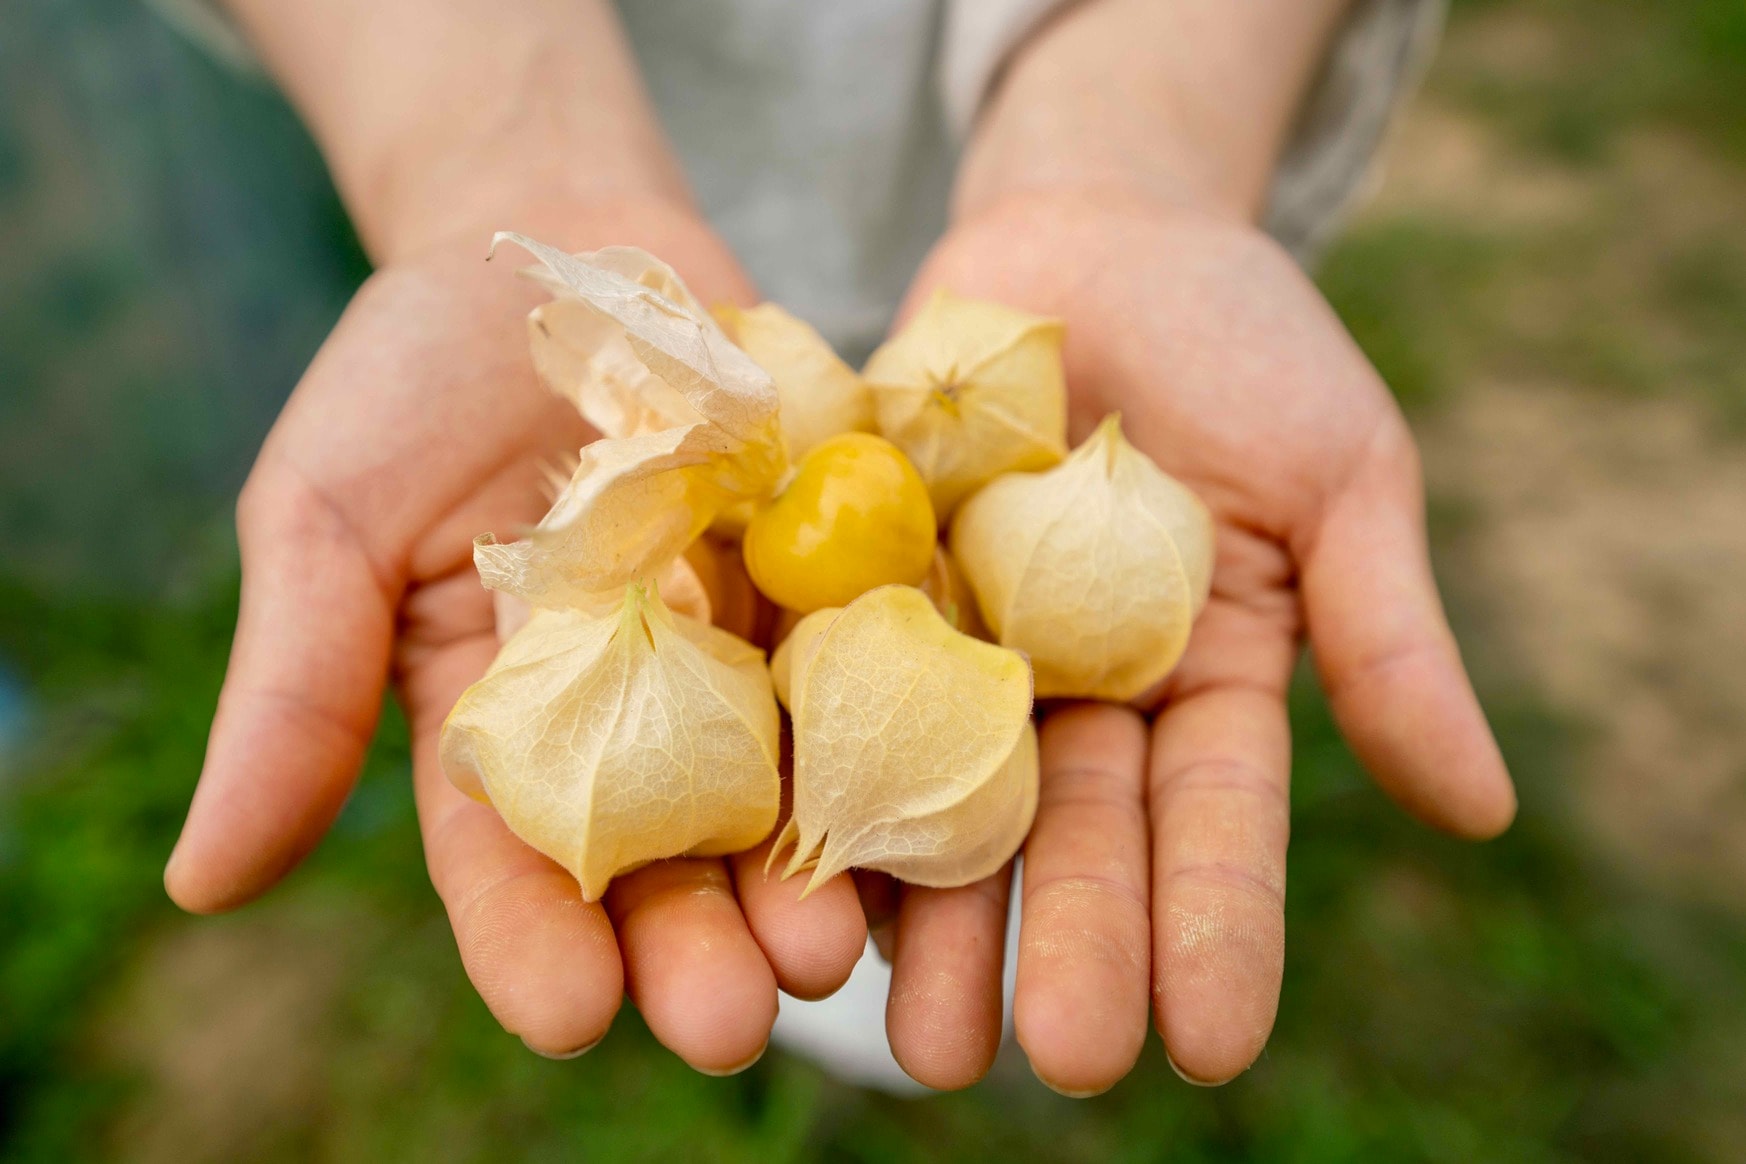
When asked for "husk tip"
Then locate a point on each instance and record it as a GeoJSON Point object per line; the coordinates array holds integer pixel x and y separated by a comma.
{"type": "Point", "coordinates": [787, 835]}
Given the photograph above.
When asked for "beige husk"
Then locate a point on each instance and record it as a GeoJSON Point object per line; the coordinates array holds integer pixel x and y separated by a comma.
{"type": "Point", "coordinates": [612, 731]}
{"type": "Point", "coordinates": [689, 422]}
{"type": "Point", "coordinates": [969, 390]}
{"type": "Point", "coordinates": [821, 396]}
{"type": "Point", "coordinates": [914, 752]}
{"type": "Point", "coordinates": [610, 741]}
{"type": "Point", "coordinates": [1096, 569]}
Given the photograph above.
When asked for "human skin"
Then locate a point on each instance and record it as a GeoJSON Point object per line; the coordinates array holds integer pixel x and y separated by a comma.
{"type": "Point", "coordinates": [1113, 182]}
{"type": "Point", "coordinates": [419, 425]}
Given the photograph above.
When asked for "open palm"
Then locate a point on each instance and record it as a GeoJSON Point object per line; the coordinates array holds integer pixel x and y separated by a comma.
{"type": "Point", "coordinates": [418, 426]}
{"type": "Point", "coordinates": [1154, 878]}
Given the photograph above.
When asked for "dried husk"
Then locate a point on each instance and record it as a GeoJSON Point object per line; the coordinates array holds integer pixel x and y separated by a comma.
{"type": "Point", "coordinates": [1096, 569]}
{"type": "Point", "coordinates": [950, 592]}
{"type": "Point", "coordinates": [821, 396]}
{"type": "Point", "coordinates": [969, 390]}
{"type": "Point", "coordinates": [945, 587]}
{"type": "Point", "coordinates": [609, 741]}
{"type": "Point", "coordinates": [689, 421]}
{"type": "Point", "coordinates": [687, 585]}
{"type": "Point", "coordinates": [914, 752]}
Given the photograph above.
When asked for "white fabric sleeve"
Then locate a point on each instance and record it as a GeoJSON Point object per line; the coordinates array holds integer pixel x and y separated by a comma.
{"type": "Point", "coordinates": [1374, 64]}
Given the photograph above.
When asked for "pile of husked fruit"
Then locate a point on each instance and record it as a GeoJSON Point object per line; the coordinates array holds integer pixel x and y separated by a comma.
{"type": "Point", "coordinates": [938, 554]}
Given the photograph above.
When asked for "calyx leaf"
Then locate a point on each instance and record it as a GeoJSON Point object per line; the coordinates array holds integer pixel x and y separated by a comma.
{"type": "Point", "coordinates": [821, 396]}
{"type": "Point", "coordinates": [914, 752]}
{"type": "Point", "coordinates": [1096, 569]}
{"type": "Point", "coordinates": [969, 390]}
{"type": "Point", "coordinates": [690, 424]}
{"type": "Point", "coordinates": [609, 741]}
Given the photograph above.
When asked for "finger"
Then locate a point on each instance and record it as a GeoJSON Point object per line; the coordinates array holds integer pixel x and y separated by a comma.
{"type": "Point", "coordinates": [1220, 817]}
{"type": "Point", "coordinates": [811, 945]}
{"type": "Point", "coordinates": [691, 964]}
{"type": "Point", "coordinates": [545, 962]}
{"type": "Point", "coordinates": [299, 700]}
{"type": "Point", "coordinates": [1387, 658]}
{"type": "Point", "coordinates": [943, 1014]}
{"type": "Point", "coordinates": [880, 895]}
{"type": "Point", "coordinates": [1084, 958]}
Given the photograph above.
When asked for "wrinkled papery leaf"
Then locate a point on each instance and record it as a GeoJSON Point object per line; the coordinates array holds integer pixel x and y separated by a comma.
{"type": "Point", "coordinates": [969, 390]}
{"type": "Point", "coordinates": [914, 752]}
{"type": "Point", "coordinates": [690, 422]}
{"type": "Point", "coordinates": [609, 741]}
{"type": "Point", "coordinates": [821, 396]}
{"type": "Point", "coordinates": [950, 592]}
{"type": "Point", "coordinates": [688, 585]}
{"type": "Point", "coordinates": [1096, 569]}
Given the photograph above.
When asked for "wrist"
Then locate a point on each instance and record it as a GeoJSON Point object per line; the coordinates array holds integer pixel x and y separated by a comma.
{"type": "Point", "coordinates": [1181, 102]}
{"type": "Point", "coordinates": [520, 177]}
{"type": "Point", "coordinates": [439, 117]}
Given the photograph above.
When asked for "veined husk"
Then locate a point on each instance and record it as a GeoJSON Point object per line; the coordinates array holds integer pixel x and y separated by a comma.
{"type": "Point", "coordinates": [681, 583]}
{"type": "Point", "coordinates": [689, 421]}
{"type": "Point", "coordinates": [1096, 569]}
{"type": "Point", "coordinates": [950, 592]}
{"type": "Point", "coordinates": [914, 752]}
{"type": "Point", "coordinates": [821, 396]}
{"type": "Point", "coordinates": [609, 741]}
{"type": "Point", "coordinates": [945, 587]}
{"type": "Point", "coordinates": [969, 390]}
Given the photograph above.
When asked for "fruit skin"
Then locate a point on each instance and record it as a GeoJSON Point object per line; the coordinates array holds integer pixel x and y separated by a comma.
{"type": "Point", "coordinates": [856, 515]}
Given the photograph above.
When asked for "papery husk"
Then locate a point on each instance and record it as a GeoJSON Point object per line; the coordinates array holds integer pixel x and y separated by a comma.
{"type": "Point", "coordinates": [731, 602]}
{"type": "Point", "coordinates": [1096, 569]}
{"type": "Point", "coordinates": [795, 633]}
{"type": "Point", "coordinates": [951, 595]}
{"type": "Point", "coordinates": [821, 396]}
{"type": "Point", "coordinates": [914, 752]}
{"type": "Point", "coordinates": [690, 424]}
{"type": "Point", "coordinates": [969, 390]}
{"type": "Point", "coordinates": [689, 585]}
{"type": "Point", "coordinates": [609, 741]}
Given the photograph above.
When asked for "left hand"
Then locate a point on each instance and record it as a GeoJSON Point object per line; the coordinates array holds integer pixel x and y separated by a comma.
{"type": "Point", "coordinates": [1154, 878]}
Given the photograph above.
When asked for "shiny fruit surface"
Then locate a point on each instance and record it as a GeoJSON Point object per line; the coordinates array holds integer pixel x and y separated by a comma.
{"type": "Point", "coordinates": [855, 515]}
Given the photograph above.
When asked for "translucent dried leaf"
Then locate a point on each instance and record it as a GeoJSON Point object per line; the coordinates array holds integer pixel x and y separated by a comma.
{"type": "Point", "coordinates": [1096, 569]}
{"type": "Point", "coordinates": [969, 390]}
{"type": "Point", "coordinates": [821, 396]}
{"type": "Point", "coordinates": [914, 752]}
{"type": "Point", "coordinates": [690, 422]}
{"type": "Point", "coordinates": [800, 639]}
{"type": "Point", "coordinates": [694, 585]}
{"type": "Point", "coordinates": [951, 595]}
{"type": "Point", "coordinates": [608, 741]}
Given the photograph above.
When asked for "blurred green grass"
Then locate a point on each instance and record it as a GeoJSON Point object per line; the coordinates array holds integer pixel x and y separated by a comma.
{"type": "Point", "coordinates": [1528, 1000]}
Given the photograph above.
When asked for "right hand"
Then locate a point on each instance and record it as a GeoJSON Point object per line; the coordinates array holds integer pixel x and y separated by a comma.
{"type": "Point", "coordinates": [418, 426]}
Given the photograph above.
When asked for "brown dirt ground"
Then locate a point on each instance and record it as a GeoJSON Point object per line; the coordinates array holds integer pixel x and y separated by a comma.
{"type": "Point", "coordinates": [1609, 527]}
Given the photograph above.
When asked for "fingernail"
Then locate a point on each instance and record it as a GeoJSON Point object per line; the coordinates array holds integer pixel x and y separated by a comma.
{"type": "Point", "coordinates": [1189, 1079]}
{"type": "Point", "coordinates": [1070, 1093]}
{"type": "Point", "coordinates": [723, 1073]}
{"type": "Point", "coordinates": [563, 1055]}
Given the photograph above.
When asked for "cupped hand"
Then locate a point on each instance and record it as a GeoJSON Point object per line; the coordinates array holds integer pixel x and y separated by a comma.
{"type": "Point", "coordinates": [1154, 879]}
{"type": "Point", "coordinates": [418, 426]}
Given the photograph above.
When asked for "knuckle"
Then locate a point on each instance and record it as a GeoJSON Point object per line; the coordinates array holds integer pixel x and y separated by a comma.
{"type": "Point", "coordinates": [1087, 920]}
{"type": "Point", "coordinates": [1223, 776]}
{"type": "Point", "coordinates": [1223, 881]}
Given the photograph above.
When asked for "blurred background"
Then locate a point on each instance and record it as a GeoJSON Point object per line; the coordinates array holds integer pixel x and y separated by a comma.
{"type": "Point", "coordinates": [1553, 277]}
